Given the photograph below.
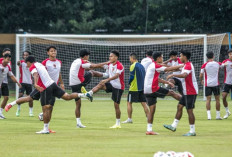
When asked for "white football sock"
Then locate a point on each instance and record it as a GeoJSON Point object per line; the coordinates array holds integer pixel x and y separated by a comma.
{"type": "Point", "coordinates": [78, 120]}
{"type": "Point", "coordinates": [46, 126]}
{"type": "Point", "coordinates": [13, 103]}
{"type": "Point", "coordinates": [192, 128]}
{"type": "Point", "coordinates": [1, 109]}
{"type": "Point", "coordinates": [81, 95]}
{"type": "Point", "coordinates": [19, 107]}
{"type": "Point", "coordinates": [91, 93]}
{"type": "Point", "coordinates": [129, 119]}
{"type": "Point", "coordinates": [175, 123]}
{"type": "Point", "coordinates": [117, 121]}
{"type": "Point", "coordinates": [31, 109]}
{"type": "Point", "coordinates": [218, 114]}
{"type": "Point", "coordinates": [208, 114]}
{"type": "Point", "coordinates": [149, 127]}
{"type": "Point", "coordinates": [227, 109]}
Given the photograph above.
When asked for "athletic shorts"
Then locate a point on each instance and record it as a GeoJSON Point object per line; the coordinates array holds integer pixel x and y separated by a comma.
{"type": "Point", "coordinates": [152, 98]}
{"type": "Point", "coordinates": [226, 88]}
{"type": "Point", "coordinates": [35, 94]}
{"type": "Point", "coordinates": [178, 83]}
{"type": "Point", "coordinates": [25, 87]}
{"type": "Point", "coordinates": [209, 90]}
{"type": "Point", "coordinates": [77, 88]}
{"type": "Point", "coordinates": [188, 101]}
{"type": "Point", "coordinates": [136, 96]}
{"type": "Point", "coordinates": [116, 93]}
{"type": "Point", "coordinates": [49, 94]}
{"type": "Point", "coordinates": [5, 89]}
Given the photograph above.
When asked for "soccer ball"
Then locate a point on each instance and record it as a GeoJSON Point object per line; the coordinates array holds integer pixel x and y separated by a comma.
{"type": "Point", "coordinates": [40, 116]}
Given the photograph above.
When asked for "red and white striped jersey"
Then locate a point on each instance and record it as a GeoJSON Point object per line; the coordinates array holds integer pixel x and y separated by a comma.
{"type": "Point", "coordinates": [211, 71]}
{"type": "Point", "coordinates": [227, 71]}
{"type": "Point", "coordinates": [4, 71]}
{"type": "Point", "coordinates": [25, 75]}
{"type": "Point", "coordinates": [44, 79]}
{"type": "Point", "coordinates": [175, 63]}
{"type": "Point", "coordinates": [189, 83]}
{"type": "Point", "coordinates": [77, 71]}
{"type": "Point", "coordinates": [5, 80]}
{"type": "Point", "coordinates": [114, 69]}
{"type": "Point", "coordinates": [53, 68]}
{"type": "Point", "coordinates": [146, 62]}
{"type": "Point", "coordinates": [151, 83]}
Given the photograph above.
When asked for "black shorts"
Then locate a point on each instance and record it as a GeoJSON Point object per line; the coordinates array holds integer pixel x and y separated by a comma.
{"type": "Point", "coordinates": [5, 89]}
{"type": "Point", "coordinates": [35, 94]}
{"type": "Point", "coordinates": [25, 87]}
{"type": "Point", "coordinates": [178, 83]}
{"type": "Point", "coordinates": [136, 96]}
{"type": "Point", "coordinates": [49, 94]}
{"type": "Point", "coordinates": [209, 90]}
{"type": "Point", "coordinates": [152, 98]}
{"type": "Point", "coordinates": [188, 101]}
{"type": "Point", "coordinates": [116, 93]}
{"type": "Point", "coordinates": [226, 88]}
{"type": "Point", "coordinates": [77, 88]}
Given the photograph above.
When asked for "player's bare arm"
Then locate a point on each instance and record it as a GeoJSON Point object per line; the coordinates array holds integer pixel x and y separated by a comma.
{"type": "Point", "coordinates": [36, 78]}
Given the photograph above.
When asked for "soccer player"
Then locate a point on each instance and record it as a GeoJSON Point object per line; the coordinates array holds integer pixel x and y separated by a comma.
{"type": "Point", "coordinates": [25, 81]}
{"type": "Point", "coordinates": [5, 70]}
{"type": "Point", "coordinates": [211, 70]}
{"type": "Point", "coordinates": [114, 84]}
{"type": "Point", "coordinates": [227, 64]}
{"type": "Point", "coordinates": [174, 61]}
{"type": "Point", "coordinates": [190, 91]}
{"type": "Point", "coordinates": [148, 60]}
{"type": "Point", "coordinates": [136, 82]}
{"type": "Point", "coordinates": [4, 84]}
{"type": "Point", "coordinates": [78, 78]}
{"type": "Point", "coordinates": [152, 89]}
{"type": "Point", "coordinates": [48, 90]}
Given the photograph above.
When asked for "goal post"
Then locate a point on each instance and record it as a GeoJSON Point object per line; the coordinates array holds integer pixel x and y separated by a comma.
{"type": "Point", "coordinates": [68, 47]}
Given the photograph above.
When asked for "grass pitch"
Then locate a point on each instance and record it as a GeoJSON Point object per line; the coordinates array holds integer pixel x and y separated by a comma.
{"type": "Point", "coordinates": [18, 138]}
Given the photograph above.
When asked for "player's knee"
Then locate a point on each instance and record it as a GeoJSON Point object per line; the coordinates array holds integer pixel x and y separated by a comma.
{"type": "Point", "coordinates": [6, 98]}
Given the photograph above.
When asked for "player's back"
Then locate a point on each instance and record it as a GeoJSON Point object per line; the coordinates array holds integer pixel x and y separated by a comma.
{"type": "Point", "coordinates": [146, 62]}
{"type": "Point", "coordinates": [76, 73]}
{"type": "Point", "coordinates": [211, 70]}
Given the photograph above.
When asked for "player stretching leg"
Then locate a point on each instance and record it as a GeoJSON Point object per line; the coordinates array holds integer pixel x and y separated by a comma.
{"type": "Point", "coordinates": [78, 78]}
{"type": "Point", "coordinates": [190, 91]}
{"type": "Point", "coordinates": [114, 84]}
{"type": "Point", "coordinates": [211, 70]}
{"type": "Point", "coordinates": [152, 89]}
{"type": "Point", "coordinates": [26, 82]}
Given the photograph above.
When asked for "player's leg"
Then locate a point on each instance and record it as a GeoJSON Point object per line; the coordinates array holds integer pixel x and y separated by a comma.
{"type": "Point", "coordinates": [178, 83]}
{"type": "Point", "coordinates": [216, 92]}
{"type": "Point", "coordinates": [129, 108]}
{"type": "Point", "coordinates": [30, 103]}
{"type": "Point", "coordinates": [145, 107]}
{"type": "Point", "coordinates": [174, 95]}
{"type": "Point", "coordinates": [96, 73]}
{"type": "Point", "coordinates": [225, 91]}
{"type": "Point", "coordinates": [21, 92]}
{"type": "Point", "coordinates": [116, 97]}
{"type": "Point", "coordinates": [1, 115]}
{"type": "Point", "coordinates": [5, 94]}
{"type": "Point", "coordinates": [208, 100]}
{"type": "Point", "coordinates": [142, 99]}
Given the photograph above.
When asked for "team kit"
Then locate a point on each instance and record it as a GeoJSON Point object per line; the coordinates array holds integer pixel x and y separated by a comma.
{"type": "Point", "coordinates": [144, 84]}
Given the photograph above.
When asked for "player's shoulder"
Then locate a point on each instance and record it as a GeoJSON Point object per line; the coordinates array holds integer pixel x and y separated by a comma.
{"type": "Point", "coordinates": [226, 60]}
{"type": "Point", "coordinates": [156, 65]}
{"type": "Point", "coordinates": [188, 66]}
{"type": "Point", "coordinates": [203, 66]}
{"type": "Point", "coordinates": [179, 61]}
{"type": "Point", "coordinates": [33, 66]}
{"type": "Point", "coordinates": [22, 61]}
{"type": "Point", "coordinates": [59, 61]}
{"type": "Point", "coordinates": [45, 61]}
{"type": "Point", "coordinates": [119, 65]}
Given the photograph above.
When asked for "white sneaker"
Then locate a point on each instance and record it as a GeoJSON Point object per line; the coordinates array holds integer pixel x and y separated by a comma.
{"type": "Point", "coordinates": [2, 116]}
{"type": "Point", "coordinates": [128, 121]}
{"type": "Point", "coordinates": [80, 126]}
{"type": "Point", "coordinates": [218, 118]}
{"type": "Point", "coordinates": [31, 114]}
{"type": "Point", "coordinates": [227, 115]}
{"type": "Point", "coordinates": [43, 132]}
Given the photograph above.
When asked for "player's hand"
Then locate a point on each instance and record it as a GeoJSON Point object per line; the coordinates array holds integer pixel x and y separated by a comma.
{"type": "Point", "coordinates": [169, 76]}
{"type": "Point", "coordinates": [62, 86]}
{"type": "Point", "coordinates": [18, 63]}
{"type": "Point", "coordinates": [20, 86]}
{"type": "Point", "coordinates": [39, 88]}
{"type": "Point", "coordinates": [171, 84]}
{"type": "Point", "coordinates": [103, 81]}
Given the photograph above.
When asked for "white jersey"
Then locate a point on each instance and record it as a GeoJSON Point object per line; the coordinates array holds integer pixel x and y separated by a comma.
{"type": "Point", "coordinates": [4, 71]}
{"type": "Point", "coordinates": [114, 69]}
{"type": "Point", "coordinates": [25, 75]}
{"type": "Point", "coordinates": [175, 63]}
{"type": "Point", "coordinates": [211, 71]}
{"type": "Point", "coordinates": [53, 68]}
{"type": "Point", "coordinates": [44, 79]}
{"type": "Point", "coordinates": [5, 80]}
{"type": "Point", "coordinates": [227, 71]}
{"type": "Point", "coordinates": [77, 71]}
{"type": "Point", "coordinates": [146, 62]}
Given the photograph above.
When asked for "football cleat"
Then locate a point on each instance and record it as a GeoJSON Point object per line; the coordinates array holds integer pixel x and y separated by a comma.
{"type": "Point", "coordinates": [151, 133]}
{"type": "Point", "coordinates": [115, 127]}
{"type": "Point", "coordinates": [7, 107]}
{"type": "Point", "coordinates": [89, 97]}
{"type": "Point", "coordinates": [227, 115]}
{"type": "Point", "coordinates": [170, 127]}
{"type": "Point", "coordinates": [43, 132]}
{"type": "Point", "coordinates": [51, 131]}
{"type": "Point", "coordinates": [83, 90]}
{"type": "Point", "coordinates": [190, 134]}
{"type": "Point", "coordinates": [2, 116]}
{"type": "Point", "coordinates": [80, 126]}
{"type": "Point", "coordinates": [17, 113]}
{"type": "Point", "coordinates": [31, 114]}
{"type": "Point", "coordinates": [127, 121]}
{"type": "Point", "coordinates": [219, 118]}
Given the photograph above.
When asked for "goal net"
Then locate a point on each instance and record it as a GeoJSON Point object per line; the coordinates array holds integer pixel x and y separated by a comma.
{"type": "Point", "coordinates": [68, 47]}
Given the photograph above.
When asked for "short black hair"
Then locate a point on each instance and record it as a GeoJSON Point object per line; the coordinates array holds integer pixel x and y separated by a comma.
{"type": "Point", "coordinates": [134, 55]}
{"type": "Point", "coordinates": [29, 52]}
{"type": "Point", "coordinates": [210, 55]}
{"type": "Point", "coordinates": [186, 53]}
{"type": "Point", "coordinates": [84, 52]}
{"type": "Point", "coordinates": [7, 55]}
{"type": "Point", "coordinates": [149, 52]}
{"type": "Point", "coordinates": [155, 55]}
{"type": "Point", "coordinates": [30, 59]}
{"type": "Point", "coordinates": [173, 53]}
{"type": "Point", "coordinates": [229, 51]}
{"type": "Point", "coordinates": [50, 48]}
{"type": "Point", "coordinates": [115, 52]}
{"type": "Point", "coordinates": [6, 49]}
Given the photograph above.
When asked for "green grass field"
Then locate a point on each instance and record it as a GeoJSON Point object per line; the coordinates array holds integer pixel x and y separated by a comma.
{"type": "Point", "coordinates": [18, 138]}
